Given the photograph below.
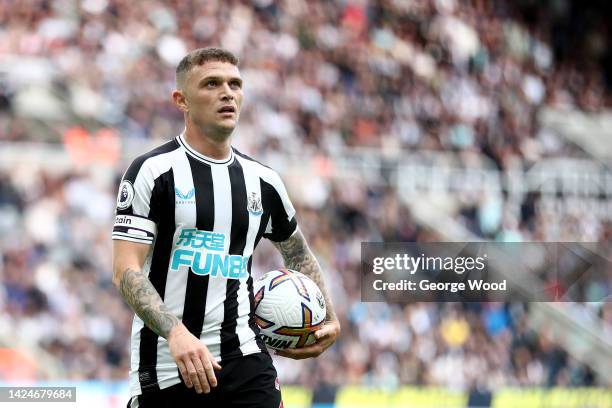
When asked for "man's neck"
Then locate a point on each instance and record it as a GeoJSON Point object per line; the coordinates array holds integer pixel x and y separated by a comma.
{"type": "Point", "coordinates": [207, 146]}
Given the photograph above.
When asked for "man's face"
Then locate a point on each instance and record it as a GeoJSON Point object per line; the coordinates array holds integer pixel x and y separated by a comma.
{"type": "Point", "coordinates": [213, 97]}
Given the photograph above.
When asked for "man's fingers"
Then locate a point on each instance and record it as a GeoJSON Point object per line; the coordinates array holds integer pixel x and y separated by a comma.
{"type": "Point", "coordinates": [291, 353]}
{"type": "Point", "coordinates": [184, 374]}
{"type": "Point", "coordinates": [301, 353]}
{"type": "Point", "coordinates": [215, 365]}
{"type": "Point", "coordinates": [193, 375]}
{"type": "Point", "coordinates": [196, 365]}
{"type": "Point", "coordinates": [322, 332]}
{"type": "Point", "coordinates": [325, 337]}
{"type": "Point", "coordinates": [330, 328]}
{"type": "Point", "coordinates": [209, 372]}
{"type": "Point", "coordinates": [325, 341]}
{"type": "Point", "coordinates": [202, 374]}
{"type": "Point", "coordinates": [314, 350]}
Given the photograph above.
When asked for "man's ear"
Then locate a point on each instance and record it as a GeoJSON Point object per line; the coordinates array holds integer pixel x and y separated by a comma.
{"type": "Point", "coordinates": [179, 100]}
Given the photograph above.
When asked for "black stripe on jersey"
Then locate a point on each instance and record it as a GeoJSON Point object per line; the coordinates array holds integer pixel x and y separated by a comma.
{"type": "Point", "coordinates": [272, 201]}
{"type": "Point", "coordinates": [230, 343]}
{"type": "Point", "coordinates": [162, 203]}
{"type": "Point", "coordinates": [266, 192]}
{"type": "Point", "coordinates": [134, 168]}
{"type": "Point", "coordinates": [197, 285]}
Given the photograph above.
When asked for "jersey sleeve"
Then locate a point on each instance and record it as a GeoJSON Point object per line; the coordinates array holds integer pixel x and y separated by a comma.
{"type": "Point", "coordinates": [133, 221]}
{"type": "Point", "coordinates": [282, 223]}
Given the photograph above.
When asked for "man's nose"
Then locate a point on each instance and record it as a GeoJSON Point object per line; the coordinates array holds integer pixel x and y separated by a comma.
{"type": "Point", "coordinates": [226, 93]}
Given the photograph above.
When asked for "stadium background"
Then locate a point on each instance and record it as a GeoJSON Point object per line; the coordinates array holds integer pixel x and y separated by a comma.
{"type": "Point", "coordinates": [394, 120]}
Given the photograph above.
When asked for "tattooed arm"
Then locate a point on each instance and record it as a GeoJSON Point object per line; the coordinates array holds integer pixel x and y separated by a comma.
{"type": "Point", "coordinates": [136, 288]}
{"type": "Point", "coordinates": [298, 256]}
{"type": "Point", "coordinates": [193, 359]}
{"type": "Point", "coordinates": [139, 293]}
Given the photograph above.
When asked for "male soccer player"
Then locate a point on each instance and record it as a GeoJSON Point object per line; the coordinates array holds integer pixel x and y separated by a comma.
{"type": "Point", "coordinates": [189, 216]}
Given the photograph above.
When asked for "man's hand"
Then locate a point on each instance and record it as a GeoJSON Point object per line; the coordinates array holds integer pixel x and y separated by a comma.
{"type": "Point", "coordinates": [194, 361]}
{"type": "Point", "coordinates": [326, 336]}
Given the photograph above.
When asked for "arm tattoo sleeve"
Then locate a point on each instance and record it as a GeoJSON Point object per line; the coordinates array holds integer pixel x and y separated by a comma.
{"type": "Point", "coordinates": [297, 256]}
{"type": "Point", "coordinates": [139, 293]}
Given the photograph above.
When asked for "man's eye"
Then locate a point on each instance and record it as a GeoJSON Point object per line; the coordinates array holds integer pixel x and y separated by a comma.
{"type": "Point", "coordinates": [235, 84]}
{"type": "Point", "coordinates": [211, 84]}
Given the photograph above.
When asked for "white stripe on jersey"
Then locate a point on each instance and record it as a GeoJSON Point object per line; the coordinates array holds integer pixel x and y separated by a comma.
{"type": "Point", "coordinates": [134, 403]}
{"type": "Point", "coordinates": [217, 288]}
{"type": "Point", "coordinates": [143, 186]}
{"type": "Point", "coordinates": [176, 282]}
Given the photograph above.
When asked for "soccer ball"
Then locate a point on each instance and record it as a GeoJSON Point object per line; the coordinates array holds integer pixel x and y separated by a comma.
{"type": "Point", "coordinates": [289, 308]}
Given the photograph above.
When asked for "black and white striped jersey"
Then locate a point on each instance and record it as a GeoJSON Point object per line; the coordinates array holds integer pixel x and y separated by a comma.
{"type": "Point", "coordinates": [203, 218]}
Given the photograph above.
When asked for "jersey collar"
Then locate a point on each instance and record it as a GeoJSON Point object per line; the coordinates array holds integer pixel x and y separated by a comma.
{"type": "Point", "coordinates": [192, 152]}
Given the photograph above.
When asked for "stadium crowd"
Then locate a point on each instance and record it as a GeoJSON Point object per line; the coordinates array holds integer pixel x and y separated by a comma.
{"type": "Point", "coordinates": [319, 77]}
{"type": "Point", "coordinates": [417, 74]}
{"type": "Point", "coordinates": [57, 292]}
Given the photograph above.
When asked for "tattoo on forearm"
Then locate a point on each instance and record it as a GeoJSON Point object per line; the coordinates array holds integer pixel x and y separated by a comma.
{"type": "Point", "coordinates": [139, 293]}
{"type": "Point", "coordinates": [297, 256]}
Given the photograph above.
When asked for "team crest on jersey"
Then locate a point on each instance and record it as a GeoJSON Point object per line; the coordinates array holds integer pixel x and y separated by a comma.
{"type": "Point", "coordinates": [254, 204]}
{"type": "Point", "coordinates": [126, 195]}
